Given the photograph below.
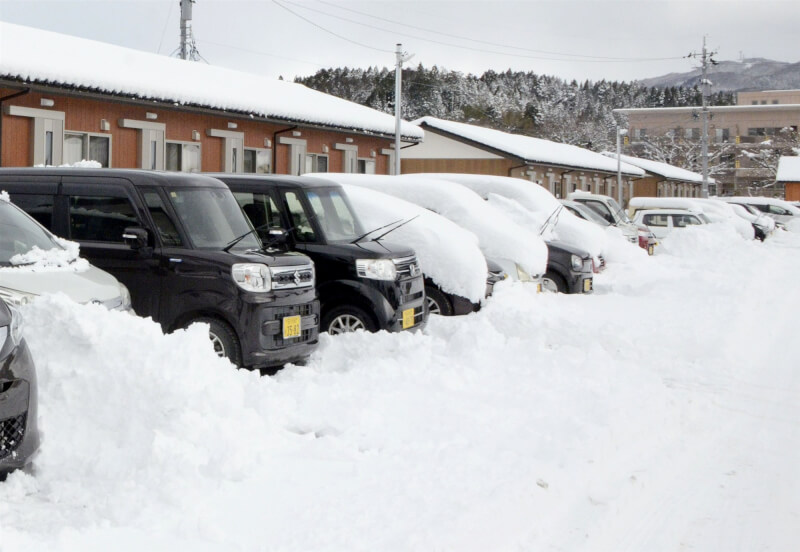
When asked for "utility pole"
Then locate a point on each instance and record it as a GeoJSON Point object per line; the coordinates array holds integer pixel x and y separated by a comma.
{"type": "Point", "coordinates": [400, 58]}
{"type": "Point", "coordinates": [188, 48]}
{"type": "Point", "coordinates": [706, 58]}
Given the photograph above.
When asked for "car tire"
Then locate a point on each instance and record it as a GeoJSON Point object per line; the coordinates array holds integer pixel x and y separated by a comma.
{"type": "Point", "coordinates": [224, 339]}
{"type": "Point", "coordinates": [346, 319]}
{"type": "Point", "coordinates": [552, 281]}
{"type": "Point", "coordinates": [437, 302]}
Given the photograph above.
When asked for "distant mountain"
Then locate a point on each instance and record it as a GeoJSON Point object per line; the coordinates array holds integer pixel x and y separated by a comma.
{"type": "Point", "coordinates": [735, 76]}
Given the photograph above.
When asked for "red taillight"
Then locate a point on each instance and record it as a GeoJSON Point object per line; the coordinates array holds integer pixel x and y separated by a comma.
{"type": "Point", "coordinates": [643, 241]}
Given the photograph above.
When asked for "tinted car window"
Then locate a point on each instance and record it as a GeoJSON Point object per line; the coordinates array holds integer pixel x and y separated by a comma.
{"type": "Point", "coordinates": [680, 221]}
{"type": "Point", "coordinates": [334, 215]}
{"type": "Point", "coordinates": [775, 210]}
{"type": "Point", "coordinates": [600, 209]}
{"type": "Point", "coordinates": [39, 206]}
{"type": "Point", "coordinates": [99, 218]}
{"type": "Point", "coordinates": [158, 211]}
{"type": "Point", "coordinates": [301, 225]}
{"type": "Point", "coordinates": [260, 209]}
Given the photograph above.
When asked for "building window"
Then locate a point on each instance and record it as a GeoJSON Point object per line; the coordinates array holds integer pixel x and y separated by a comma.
{"type": "Point", "coordinates": [183, 157]}
{"type": "Point", "coordinates": [692, 133]}
{"type": "Point", "coordinates": [763, 102]}
{"type": "Point", "coordinates": [316, 163]}
{"type": "Point", "coordinates": [366, 166]}
{"type": "Point", "coordinates": [84, 146]}
{"type": "Point", "coordinates": [258, 161]}
{"type": "Point", "coordinates": [774, 102]}
{"type": "Point", "coordinates": [640, 134]}
{"type": "Point", "coordinates": [723, 135]}
{"type": "Point", "coordinates": [755, 102]}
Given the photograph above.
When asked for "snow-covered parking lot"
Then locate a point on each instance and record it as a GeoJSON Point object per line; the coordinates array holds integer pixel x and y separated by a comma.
{"type": "Point", "coordinates": [660, 413]}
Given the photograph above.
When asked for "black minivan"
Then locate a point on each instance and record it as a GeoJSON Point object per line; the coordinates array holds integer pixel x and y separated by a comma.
{"type": "Point", "coordinates": [363, 282]}
{"type": "Point", "coordinates": [186, 252]}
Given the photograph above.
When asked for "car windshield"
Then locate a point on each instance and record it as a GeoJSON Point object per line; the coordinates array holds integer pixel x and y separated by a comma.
{"type": "Point", "coordinates": [620, 213]}
{"type": "Point", "coordinates": [334, 215]}
{"type": "Point", "coordinates": [212, 218]}
{"type": "Point", "coordinates": [588, 214]}
{"type": "Point", "coordinates": [19, 233]}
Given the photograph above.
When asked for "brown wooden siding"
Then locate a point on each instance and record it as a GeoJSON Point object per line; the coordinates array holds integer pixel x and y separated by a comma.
{"type": "Point", "coordinates": [84, 115]}
{"type": "Point", "coordinates": [793, 191]}
{"type": "Point", "coordinates": [497, 167]}
{"type": "Point", "coordinates": [645, 187]}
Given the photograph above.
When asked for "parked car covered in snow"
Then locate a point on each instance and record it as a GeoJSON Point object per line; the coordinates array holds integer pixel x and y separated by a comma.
{"type": "Point", "coordinates": [608, 208]}
{"type": "Point", "coordinates": [499, 237]}
{"type": "Point", "coordinates": [19, 433]}
{"type": "Point", "coordinates": [457, 275]}
{"type": "Point", "coordinates": [663, 221]}
{"type": "Point", "coordinates": [763, 225]}
{"type": "Point", "coordinates": [184, 249]}
{"type": "Point", "coordinates": [716, 211]}
{"type": "Point", "coordinates": [33, 262]}
{"type": "Point", "coordinates": [364, 282]}
{"type": "Point", "coordinates": [782, 211]}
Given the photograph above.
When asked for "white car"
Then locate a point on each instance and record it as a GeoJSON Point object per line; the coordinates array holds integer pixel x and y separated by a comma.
{"type": "Point", "coordinates": [782, 211]}
{"type": "Point", "coordinates": [608, 208]}
{"type": "Point", "coordinates": [34, 262]}
{"type": "Point", "coordinates": [663, 221]}
{"type": "Point", "coordinates": [714, 209]}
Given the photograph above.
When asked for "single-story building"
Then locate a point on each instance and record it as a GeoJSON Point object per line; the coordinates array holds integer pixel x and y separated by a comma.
{"type": "Point", "coordinates": [561, 168]}
{"type": "Point", "coordinates": [663, 179]}
{"type": "Point", "coordinates": [66, 99]}
{"type": "Point", "coordinates": [789, 176]}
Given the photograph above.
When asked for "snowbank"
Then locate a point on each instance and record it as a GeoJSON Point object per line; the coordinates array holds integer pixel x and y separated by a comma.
{"type": "Point", "coordinates": [515, 428]}
{"type": "Point", "coordinates": [499, 237]}
{"type": "Point", "coordinates": [447, 253]}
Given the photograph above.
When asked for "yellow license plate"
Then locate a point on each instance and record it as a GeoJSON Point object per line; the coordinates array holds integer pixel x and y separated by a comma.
{"type": "Point", "coordinates": [291, 327]}
{"type": "Point", "coordinates": [651, 249]}
{"type": "Point", "coordinates": [587, 285]}
{"type": "Point", "coordinates": [538, 288]}
{"type": "Point", "coordinates": [408, 318]}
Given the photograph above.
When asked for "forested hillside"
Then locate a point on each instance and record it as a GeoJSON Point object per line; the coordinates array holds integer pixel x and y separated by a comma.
{"type": "Point", "coordinates": [514, 101]}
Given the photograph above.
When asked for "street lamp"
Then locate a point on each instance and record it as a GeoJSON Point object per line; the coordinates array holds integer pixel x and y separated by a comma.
{"type": "Point", "coordinates": [620, 132]}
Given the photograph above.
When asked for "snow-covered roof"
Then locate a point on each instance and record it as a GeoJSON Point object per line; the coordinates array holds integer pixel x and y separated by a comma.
{"type": "Point", "coordinates": [43, 57]}
{"type": "Point", "coordinates": [788, 169]}
{"type": "Point", "coordinates": [670, 172]}
{"type": "Point", "coordinates": [531, 150]}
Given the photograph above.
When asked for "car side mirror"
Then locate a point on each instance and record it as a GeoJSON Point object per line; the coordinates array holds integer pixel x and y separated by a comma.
{"type": "Point", "coordinates": [276, 237]}
{"type": "Point", "coordinates": [135, 237]}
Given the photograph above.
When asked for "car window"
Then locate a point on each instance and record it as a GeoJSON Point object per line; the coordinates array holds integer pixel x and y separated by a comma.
{"type": "Point", "coordinates": [776, 210]}
{"type": "Point", "coordinates": [655, 220]}
{"type": "Point", "coordinates": [39, 206]}
{"type": "Point", "coordinates": [158, 211]}
{"type": "Point", "coordinates": [334, 215]}
{"type": "Point", "coordinates": [19, 234]}
{"type": "Point", "coordinates": [681, 221]}
{"type": "Point", "coordinates": [764, 208]}
{"type": "Point", "coordinates": [599, 208]}
{"type": "Point", "coordinates": [100, 218]}
{"type": "Point", "coordinates": [301, 224]}
{"type": "Point", "coordinates": [260, 209]}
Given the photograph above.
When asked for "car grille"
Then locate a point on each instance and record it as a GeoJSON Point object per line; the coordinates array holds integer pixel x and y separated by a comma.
{"type": "Point", "coordinates": [407, 267]}
{"type": "Point", "coordinates": [291, 277]}
{"type": "Point", "coordinates": [12, 430]}
{"type": "Point", "coordinates": [309, 331]}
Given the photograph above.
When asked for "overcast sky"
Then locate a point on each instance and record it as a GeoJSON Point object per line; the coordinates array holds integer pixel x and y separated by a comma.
{"type": "Point", "coordinates": [567, 38]}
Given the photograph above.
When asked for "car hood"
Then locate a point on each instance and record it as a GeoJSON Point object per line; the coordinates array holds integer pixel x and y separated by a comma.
{"type": "Point", "coordinates": [83, 287]}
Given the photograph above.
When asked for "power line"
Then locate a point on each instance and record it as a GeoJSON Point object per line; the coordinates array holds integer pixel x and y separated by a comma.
{"type": "Point", "coordinates": [588, 59]}
{"type": "Point", "coordinates": [470, 39]}
{"type": "Point", "coordinates": [261, 53]}
{"type": "Point", "coordinates": [320, 27]}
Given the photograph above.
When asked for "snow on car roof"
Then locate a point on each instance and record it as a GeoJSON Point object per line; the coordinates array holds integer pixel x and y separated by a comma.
{"type": "Point", "coordinates": [788, 169]}
{"type": "Point", "coordinates": [499, 236]}
{"type": "Point", "coordinates": [448, 254]}
{"type": "Point", "coordinates": [37, 56]}
{"type": "Point", "coordinates": [532, 150]}
{"type": "Point", "coordinates": [670, 172]}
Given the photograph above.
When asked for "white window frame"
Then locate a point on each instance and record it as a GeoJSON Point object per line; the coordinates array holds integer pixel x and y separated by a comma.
{"type": "Point", "coordinates": [86, 136]}
{"type": "Point", "coordinates": [349, 157]}
{"type": "Point", "coordinates": [311, 159]}
{"type": "Point", "coordinates": [389, 152]}
{"type": "Point", "coordinates": [232, 149]}
{"type": "Point", "coordinates": [266, 151]}
{"type": "Point", "coordinates": [184, 143]}
{"type": "Point", "coordinates": [366, 161]}
{"type": "Point", "coordinates": [297, 154]}
{"type": "Point", "coordinates": [150, 156]}
{"type": "Point", "coordinates": [43, 121]}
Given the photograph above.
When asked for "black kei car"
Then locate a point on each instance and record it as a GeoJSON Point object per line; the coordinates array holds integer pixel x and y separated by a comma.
{"type": "Point", "coordinates": [19, 434]}
{"type": "Point", "coordinates": [364, 282]}
{"type": "Point", "coordinates": [184, 249]}
{"type": "Point", "coordinates": [569, 269]}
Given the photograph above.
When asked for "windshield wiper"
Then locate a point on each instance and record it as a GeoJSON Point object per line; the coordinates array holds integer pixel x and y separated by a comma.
{"type": "Point", "coordinates": [358, 239]}
{"type": "Point", "coordinates": [553, 217]}
{"type": "Point", "coordinates": [395, 228]}
{"type": "Point", "coordinates": [243, 236]}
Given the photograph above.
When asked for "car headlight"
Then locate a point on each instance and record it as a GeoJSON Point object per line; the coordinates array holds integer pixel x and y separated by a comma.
{"type": "Point", "coordinates": [376, 269]}
{"type": "Point", "coordinates": [523, 275]}
{"type": "Point", "coordinates": [252, 276]}
{"type": "Point", "coordinates": [16, 297]}
{"type": "Point", "coordinates": [576, 262]}
{"type": "Point", "coordinates": [13, 331]}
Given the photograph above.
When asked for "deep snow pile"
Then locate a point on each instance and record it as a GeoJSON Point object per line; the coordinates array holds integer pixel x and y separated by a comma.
{"type": "Point", "coordinates": [659, 413]}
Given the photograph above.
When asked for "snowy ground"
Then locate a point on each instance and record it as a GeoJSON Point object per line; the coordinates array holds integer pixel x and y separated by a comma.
{"type": "Point", "coordinates": [661, 413]}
